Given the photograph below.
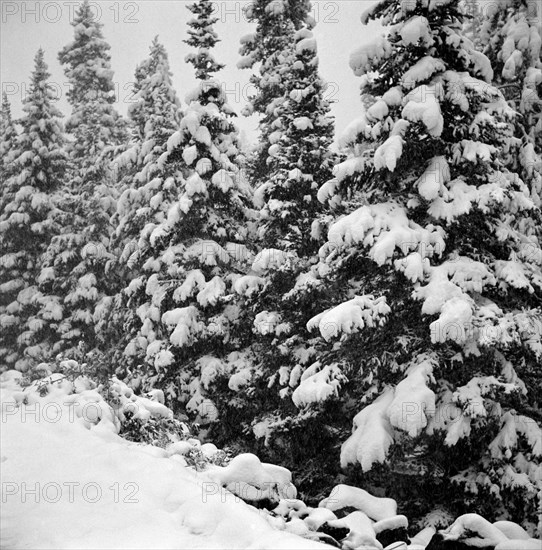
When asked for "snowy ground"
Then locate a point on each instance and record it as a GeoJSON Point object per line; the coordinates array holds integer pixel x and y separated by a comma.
{"type": "Point", "coordinates": [67, 486]}
{"type": "Point", "coordinates": [70, 481]}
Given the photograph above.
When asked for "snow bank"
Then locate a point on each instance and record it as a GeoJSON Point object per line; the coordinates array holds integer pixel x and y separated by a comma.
{"type": "Point", "coordinates": [89, 488]}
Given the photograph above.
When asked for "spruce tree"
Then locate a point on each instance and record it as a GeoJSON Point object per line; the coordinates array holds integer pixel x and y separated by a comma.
{"type": "Point", "coordinates": [94, 122]}
{"type": "Point", "coordinates": [511, 38]}
{"type": "Point", "coordinates": [203, 38]}
{"type": "Point", "coordinates": [428, 329]}
{"type": "Point", "coordinates": [299, 159]}
{"type": "Point", "coordinates": [155, 116]}
{"type": "Point", "coordinates": [297, 132]}
{"type": "Point", "coordinates": [37, 165]}
{"type": "Point", "coordinates": [77, 266]}
{"type": "Point", "coordinates": [190, 247]}
{"type": "Point", "coordinates": [8, 134]}
{"type": "Point", "coordinates": [271, 48]}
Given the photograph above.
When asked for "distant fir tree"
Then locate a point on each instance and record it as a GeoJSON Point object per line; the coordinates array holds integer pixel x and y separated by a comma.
{"type": "Point", "coordinates": [271, 48]}
{"type": "Point", "coordinates": [191, 246]}
{"type": "Point", "coordinates": [203, 38]}
{"type": "Point", "coordinates": [78, 261]}
{"type": "Point", "coordinates": [94, 123]}
{"type": "Point", "coordinates": [298, 159]}
{"type": "Point", "coordinates": [8, 135]}
{"type": "Point", "coordinates": [36, 168]}
{"type": "Point", "coordinates": [428, 304]}
{"type": "Point", "coordinates": [155, 115]}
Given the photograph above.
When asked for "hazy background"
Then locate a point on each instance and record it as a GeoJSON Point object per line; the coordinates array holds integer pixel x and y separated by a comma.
{"type": "Point", "coordinates": [129, 27]}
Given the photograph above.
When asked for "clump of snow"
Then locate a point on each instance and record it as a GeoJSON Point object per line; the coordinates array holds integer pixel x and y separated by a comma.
{"type": "Point", "coordinates": [343, 496]}
{"type": "Point", "coordinates": [415, 30]}
{"type": "Point", "coordinates": [247, 285]}
{"type": "Point", "coordinates": [423, 106]}
{"type": "Point", "coordinates": [512, 530]}
{"type": "Point", "coordinates": [327, 190]}
{"type": "Point", "coordinates": [302, 123]}
{"type": "Point", "coordinates": [377, 111]}
{"type": "Point", "coordinates": [372, 435]}
{"type": "Point", "coordinates": [385, 227]}
{"type": "Point", "coordinates": [350, 316]}
{"type": "Point", "coordinates": [395, 522]}
{"type": "Point", "coordinates": [413, 402]}
{"type": "Point", "coordinates": [361, 531]}
{"type": "Point", "coordinates": [474, 530]}
{"type": "Point", "coordinates": [251, 479]}
{"type": "Point", "coordinates": [317, 386]}
{"type": "Point", "coordinates": [422, 71]}
{"type": "Point", "coordinates": [307, 44]}
{"type": "Point", "coordinates": [371, 55]}
{"type": "Point", "coordinates": [393, 97]}
{"type": "Point", "coordinates": [269, 258]}
{"type": "Point", "coordinates": [387, 154]}
{"type": "Point", "coordinates": [266, 322]}
{"type": "Point", "coordinates": [186, 323]}
{"type": "Point", "coordinates": [435, 176]}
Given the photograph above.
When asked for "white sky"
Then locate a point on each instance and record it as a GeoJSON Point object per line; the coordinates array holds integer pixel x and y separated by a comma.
{"type": "Point", "coordinates": [129, 27]}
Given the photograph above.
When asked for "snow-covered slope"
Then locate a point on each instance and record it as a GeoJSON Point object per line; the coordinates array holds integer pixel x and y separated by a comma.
{"type": "Point", "coordinates": [70, 485]}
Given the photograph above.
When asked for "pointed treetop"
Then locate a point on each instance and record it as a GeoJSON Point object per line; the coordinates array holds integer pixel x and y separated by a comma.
{"type": "Point", "coordinates": [40, 73]}
{"type": "Point", "coordinates": [86, 16]}
{"type": "Point", "coordinates": [42, 131]}
{"type": "Point", "coordinates": [155, 110]}
{"type": "Point", "coordinates": [8, 136]}
{"type": "Point", "coordinates": [6, 110]}
{"type": "Point", "coordinates": [203, 38]}
{"type": "Point", "coordinates": [158, 53]}
{"type": "Point", "coordinates": [87, 60]}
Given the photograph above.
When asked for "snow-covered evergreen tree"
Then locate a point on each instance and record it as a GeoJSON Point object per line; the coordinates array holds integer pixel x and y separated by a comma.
{"type": "Point", "coordinates": [94, 123]}
{"type": "Point", "coordinates": [155, 116]}
{"type": "Point", "coordinates": [511, 38]}
{"type": "Point", "coordinates": [271, 48]}
{"type": "Point", "coordinates": [37, 165]}
{"type": "Point", "coordinates": [203, 38]}
{"type": "Point", "coordinates": [429, 323]}
{"type": "Point", "coordinates": [292, 161]}
{"type": "Point", "coordinates": [76, 265]}
{"type": "Point", "coordinates": [8, 134]}
{"type": "Point", "coordinates": [189, 248]}
{"type": "Point", "coordinates": [298, 159]}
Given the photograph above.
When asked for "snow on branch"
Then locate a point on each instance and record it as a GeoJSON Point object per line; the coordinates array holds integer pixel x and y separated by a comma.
{"type": "Point", "coordinates": [413, 402]}
{"type": "Point", "coordinates": [351, 316]}
{"type": "Point", "coordinates": [372, 435]}
{"type": "Point", "coordinates": [318, 385]}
